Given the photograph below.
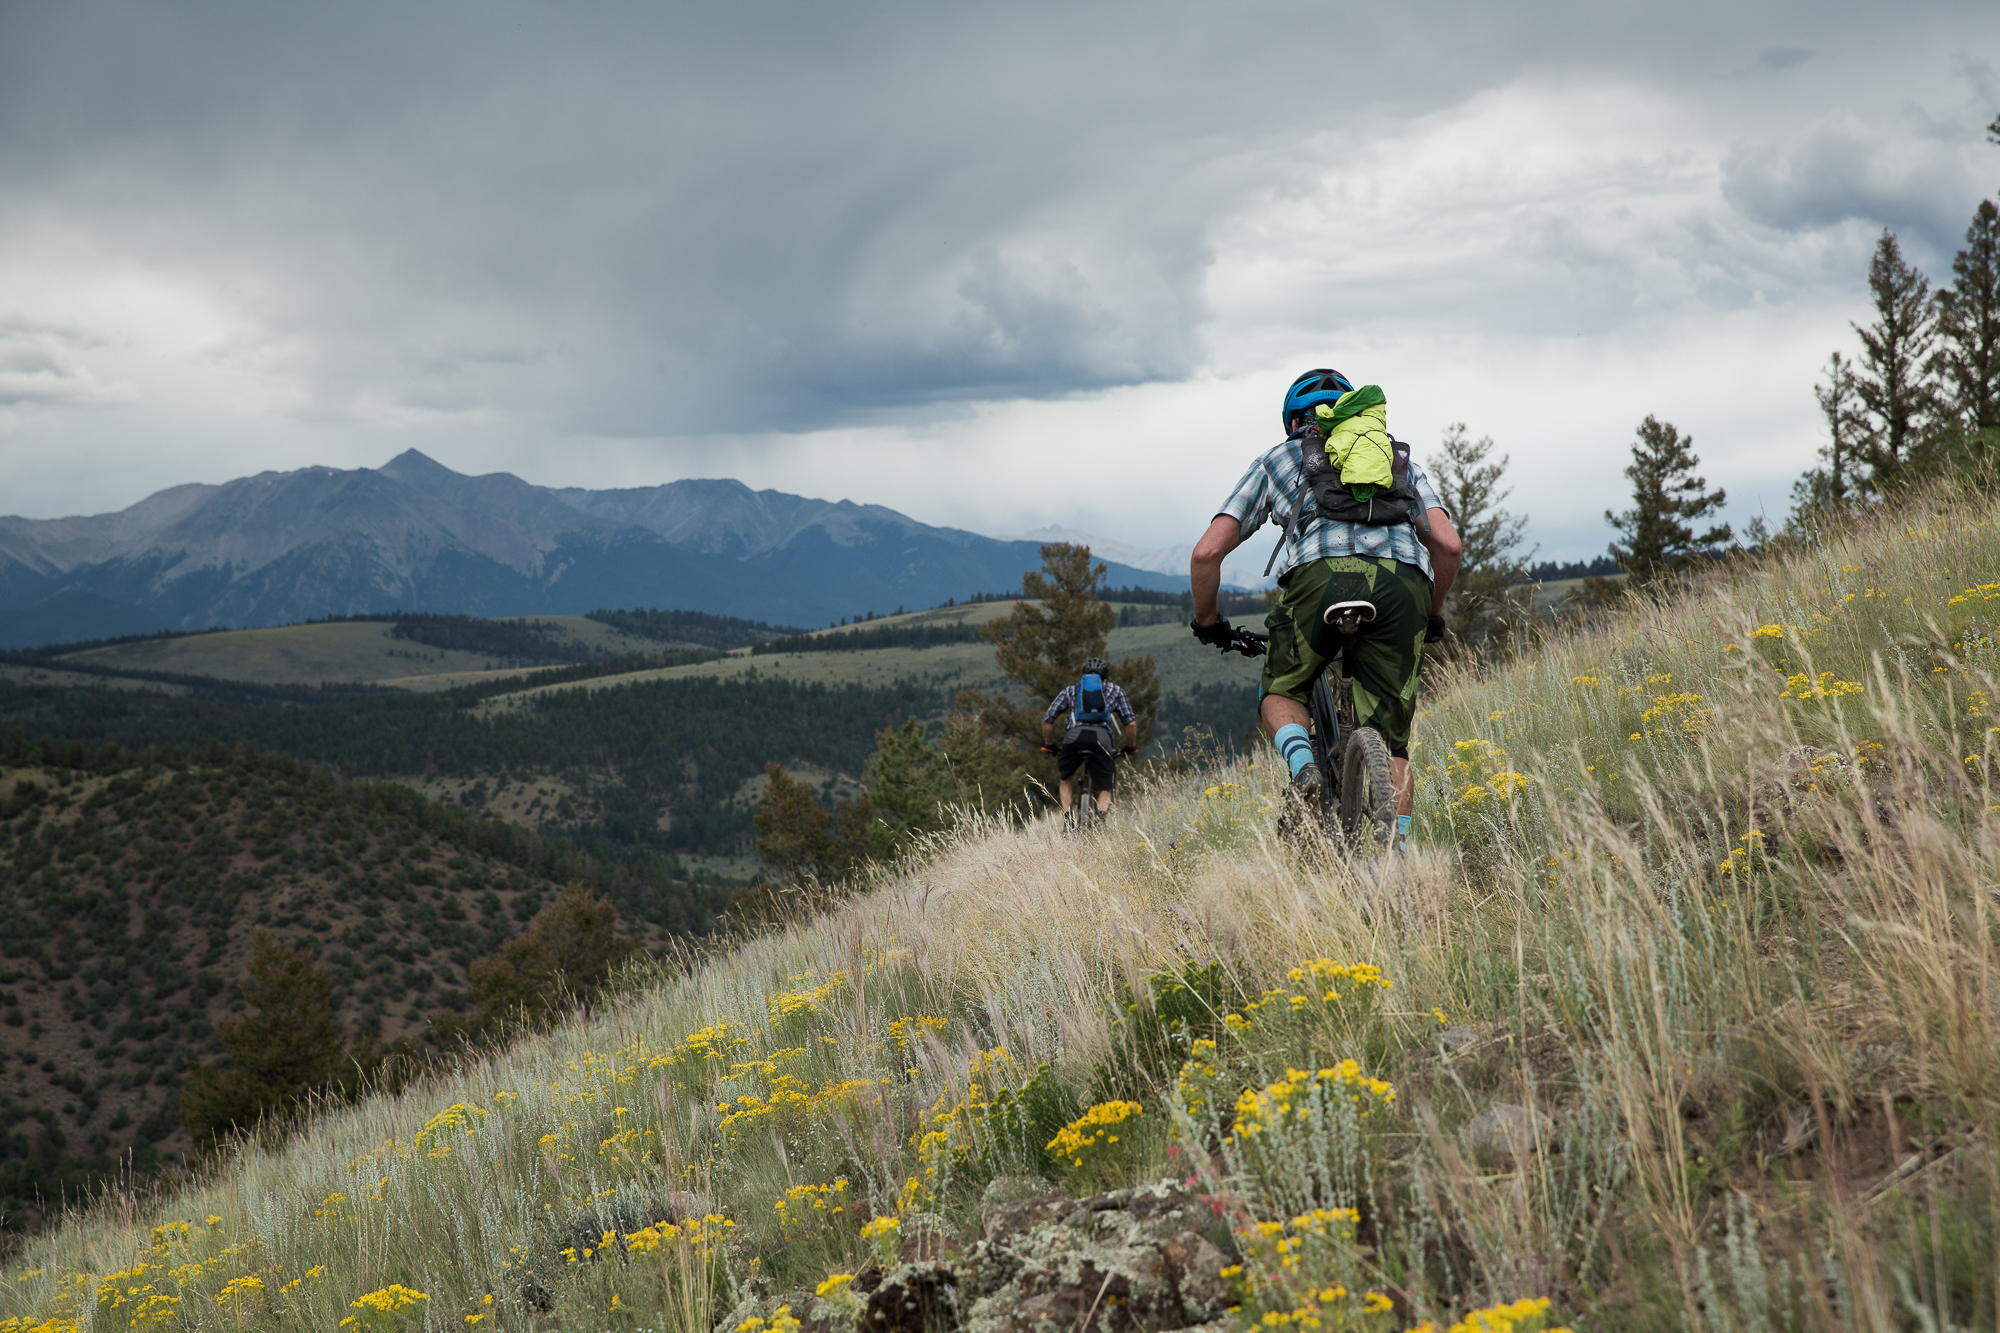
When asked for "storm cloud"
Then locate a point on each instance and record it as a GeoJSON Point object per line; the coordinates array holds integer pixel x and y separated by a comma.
{"type": "Point", "coordinates": [923, 254]}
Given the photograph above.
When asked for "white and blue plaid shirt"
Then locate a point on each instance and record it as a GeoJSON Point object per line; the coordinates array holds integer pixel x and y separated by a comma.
{"type": "Point", "coordinates": [1272, 489]}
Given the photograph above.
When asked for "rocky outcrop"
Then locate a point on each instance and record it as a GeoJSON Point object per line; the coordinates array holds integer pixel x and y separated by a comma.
{"type": "Point", "coordinates": [1143, 1260]}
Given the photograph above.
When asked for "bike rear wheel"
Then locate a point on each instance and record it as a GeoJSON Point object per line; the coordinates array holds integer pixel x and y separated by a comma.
{"type": "Point", "coordinates": [1367, 789]}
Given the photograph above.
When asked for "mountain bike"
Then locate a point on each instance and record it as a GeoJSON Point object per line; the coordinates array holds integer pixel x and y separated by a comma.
{"type": "Point", "coordinates": [1357, 792]}
{"type": "Point", "coordinates": [1083, 814]}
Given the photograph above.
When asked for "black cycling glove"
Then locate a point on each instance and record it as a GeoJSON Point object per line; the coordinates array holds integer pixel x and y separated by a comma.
{"type": "Point", "coordinates": [1216, 635]}
{"type": "Point", "coordinates": [1434, 630]}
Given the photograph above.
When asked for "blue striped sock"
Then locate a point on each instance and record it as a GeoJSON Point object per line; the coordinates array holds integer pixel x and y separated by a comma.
{"type": "Point", "coordinates": [1295, 745]}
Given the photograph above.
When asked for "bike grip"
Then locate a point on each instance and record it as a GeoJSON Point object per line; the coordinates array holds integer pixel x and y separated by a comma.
{"type": "Point", "coordinates": [1216, 635]}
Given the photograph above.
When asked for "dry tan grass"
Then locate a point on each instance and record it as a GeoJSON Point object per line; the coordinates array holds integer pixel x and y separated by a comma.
{"type": "Point", "coordinates": [1769, 1062]}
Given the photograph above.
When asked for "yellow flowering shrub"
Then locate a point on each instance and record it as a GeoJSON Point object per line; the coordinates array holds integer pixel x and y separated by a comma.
{"type": "Point", "coordinates": [1294, 1099]}
{"type": "Point", "coordinates": [884, 1235]}
{"type": "Point", "coordinates": [1804, 687]}
{"type": "Point", "coordinates": [1683, 713]}
{"type": "Point", "coordinates": [956, 1133]}
{"type": "Point", "coordinates": [1096, 1128]}
{"type": "Point", "coordinates": [789, 1094]}
{"type": "Point", "coordinates": [238, 1289]}
{"type": "Point", "coordinates": [445, 1130]}
{"type": "Point", "coordinates": [1984, 592]}
{"type": "Point", "coordinates": [383, 1309]}
{"type": "Point", "coordinates": [809, 1208]}
{"type": "Point", "coordinates": [1196, 1087]}
{"type": "Point", "coordinates": [1749, 847]}
{"type": "Point", "coordinates": [1305, 1272]}
{"type": "Point", "coordinates": [1528, 1315]}
{"type": "Point", "coordinates": [907, 1033]}
{"type": "Point", "coordinates": [1324, 973]}
{"type": "Point", "coordinates": [781, 1321]}
{"type": "Point", "coordinates": [1478, 774]}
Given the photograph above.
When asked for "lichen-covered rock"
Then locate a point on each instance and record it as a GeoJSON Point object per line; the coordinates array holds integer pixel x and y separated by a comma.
{"type": "Point", "coordinates": [1011, 1219]}
{"type": "Point", "coordinates": [1505, 1135]}
{"type": "Point", "coordinates": [1131, 1261]}
{"type": "Point", "coordinates": [1157, 1202]}
{"type": "Point", "coordinates": [928, 1246]}
{"type": "Point", "coordinates": [914, 1298]}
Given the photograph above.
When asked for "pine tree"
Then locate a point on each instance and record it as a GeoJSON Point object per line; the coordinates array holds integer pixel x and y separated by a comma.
{"type": "Point", "coordinates": [909, 783]}
{"type": "Point", "coordinates": [1834, 482]}
{"type": "Point", "coordinates": [794, 835]}
{"type": "Point", "coordinates": [1667, 498]}
{"type": "Point", "coordinates": [1467, 479]}
{"type": "Point", "coordinates": [1893, 382]}
{"type": "Point", "coordinates": [288, 1050]}
{"type": "Point", "coordinates": [1043, 647]}
{"type": "Point", "coordinates": [565, 957]}
{"type": "Point", "coordinates": [1968, 322]}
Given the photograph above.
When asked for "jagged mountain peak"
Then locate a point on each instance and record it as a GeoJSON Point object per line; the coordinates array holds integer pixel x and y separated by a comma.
{"type": "Point", "coordinates": [414, 534]}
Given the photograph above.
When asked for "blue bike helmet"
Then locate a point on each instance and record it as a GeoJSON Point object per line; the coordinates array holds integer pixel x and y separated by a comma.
{"type": "Point", "coordinates": [1312, 388]}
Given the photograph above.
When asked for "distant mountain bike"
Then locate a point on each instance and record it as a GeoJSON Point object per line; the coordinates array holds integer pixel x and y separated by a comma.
{"type": "Point", "coordinates": [1357, 792]}
{"type": "Point", "coordinates": [1083, 814]}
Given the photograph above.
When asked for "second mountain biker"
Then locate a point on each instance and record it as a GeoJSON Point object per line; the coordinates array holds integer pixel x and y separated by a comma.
{"type": "Point", "coordinates": [1092, 702]}
{"type": "Point", "coordinates": [1404, 566]}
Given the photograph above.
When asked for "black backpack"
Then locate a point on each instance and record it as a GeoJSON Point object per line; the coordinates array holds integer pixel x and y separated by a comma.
{"type": "Point", "coordinates": [1331, 500]}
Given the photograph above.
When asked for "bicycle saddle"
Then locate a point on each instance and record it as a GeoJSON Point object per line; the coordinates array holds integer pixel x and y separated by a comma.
{"type": "Point", "coordinates": [1353, 613]}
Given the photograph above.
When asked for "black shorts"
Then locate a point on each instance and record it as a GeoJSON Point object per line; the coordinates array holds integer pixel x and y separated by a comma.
{"type": "Point", "coordinates": [1086, 752]}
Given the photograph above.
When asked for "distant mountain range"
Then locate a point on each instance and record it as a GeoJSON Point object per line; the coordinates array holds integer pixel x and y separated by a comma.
{"type": "Point", "coordinates": [413, 535]}
{"type": "Point", "coordinates": [1242, 568]}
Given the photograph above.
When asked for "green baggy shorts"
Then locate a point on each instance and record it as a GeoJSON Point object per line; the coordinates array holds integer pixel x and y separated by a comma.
{"type": "Point", "coordinates": [1384, 657]}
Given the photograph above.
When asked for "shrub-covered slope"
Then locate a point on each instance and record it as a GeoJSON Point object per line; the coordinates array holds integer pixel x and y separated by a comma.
{"type": "Point", "coordinates": [659, 765]}
{"type": "Point", "coordinates": [1684, 1012]}
{"type": "Point", "coordinates": [130, 885]}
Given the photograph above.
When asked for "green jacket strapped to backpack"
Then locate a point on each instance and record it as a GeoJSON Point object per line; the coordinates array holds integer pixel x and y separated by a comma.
{"type": "Point", "coordinates": [1355, 471]}
{"type": "Point", "coordinates": [1356, 428]}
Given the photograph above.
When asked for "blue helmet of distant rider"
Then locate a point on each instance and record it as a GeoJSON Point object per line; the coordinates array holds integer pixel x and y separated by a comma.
{"type": "Point", "coordinates": [1310, 390]}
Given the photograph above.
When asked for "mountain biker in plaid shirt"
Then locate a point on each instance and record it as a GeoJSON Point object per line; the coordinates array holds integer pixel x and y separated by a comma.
{"type": "Point", "coordinates": [1405, 569]}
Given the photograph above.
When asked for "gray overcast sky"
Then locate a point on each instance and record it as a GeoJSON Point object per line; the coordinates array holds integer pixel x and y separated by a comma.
{"type": "Point", "coordinates": [995, 266]}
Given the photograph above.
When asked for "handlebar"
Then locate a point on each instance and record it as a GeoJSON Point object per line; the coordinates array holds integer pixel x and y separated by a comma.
{"type": "Point", "coordinates": [1245, 641]}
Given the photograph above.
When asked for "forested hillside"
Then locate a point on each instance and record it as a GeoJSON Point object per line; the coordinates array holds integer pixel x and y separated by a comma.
{"type": "Point", "coordinates": [131, 884]}
{"type": "Point", "coordinates": [658, 765]}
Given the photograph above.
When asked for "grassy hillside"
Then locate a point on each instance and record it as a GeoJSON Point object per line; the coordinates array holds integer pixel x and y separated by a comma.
{"type": "Point", "coordinates": [1186, 667]}
{"type": "Point", "coordinates": [1683, 1012]}
{"type": "Point", "coordinates": [347, 650]}
{"type": "Point", "coordinates": [129, 888]}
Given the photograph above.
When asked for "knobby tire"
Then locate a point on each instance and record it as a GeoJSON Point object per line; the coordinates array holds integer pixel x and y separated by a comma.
{"type": "Point", "coordinates": [1367, 789]}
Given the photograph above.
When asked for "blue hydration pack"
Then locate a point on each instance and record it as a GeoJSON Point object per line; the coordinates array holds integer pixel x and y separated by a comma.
{"type": "Point", "coordinates": [1090, 705]}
